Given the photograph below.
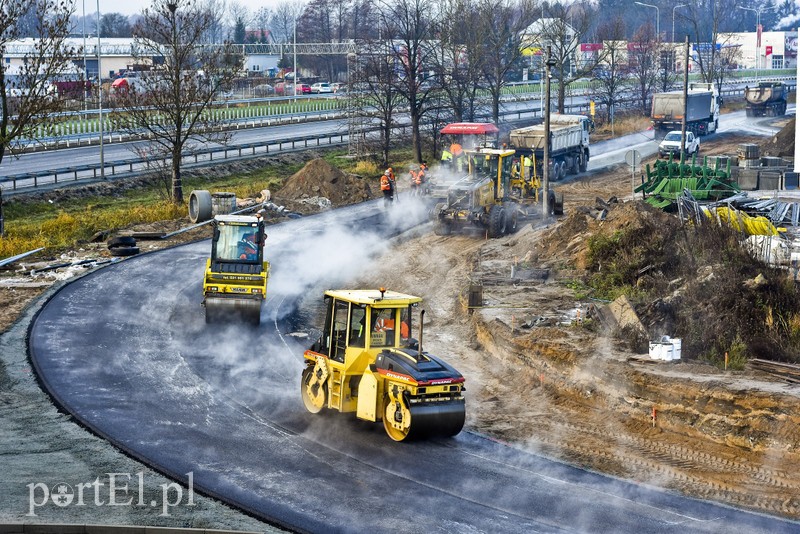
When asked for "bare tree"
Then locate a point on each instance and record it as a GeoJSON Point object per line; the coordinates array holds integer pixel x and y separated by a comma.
{"type": "Point", "coordinates": [706, 19]}
{"type": "Point", "coordinates": [115, 25]}
{"type": "Point", "coordinates": [27, 102]}
{"type": "Point", "coordinates": [375, 79]}
{"type": "Point", "coordinates": [610, 76]}
{"type": "Point", "coordinates": [562, 28]}
{"type": "Point", "coordinates": [644, 57]}
{"type": "Point", "coordinates": [459, 60]}
{"type": "Point", "coordinates": [238, 19]}
{"type": "Point", "coordinates": [410, 27]}
{"type": "Point", "coordinates": [27, 99]}
{"type": "Point", "coordinates": [503, 25]}
{"type": "Point", "coordinates": [171, 103]}
{"type": "Point", "coordinates": [283, 21]}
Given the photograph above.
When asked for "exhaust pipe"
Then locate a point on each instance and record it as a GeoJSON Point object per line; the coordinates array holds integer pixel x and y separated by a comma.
{"type": "Point", "coordinates": [421, 320]}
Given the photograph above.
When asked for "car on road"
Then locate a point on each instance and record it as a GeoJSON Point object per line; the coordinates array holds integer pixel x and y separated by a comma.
{"type": "Point", "coordinates": [336, 87]}
{"type": "Point", "coordinates": [303, 88]}
{"type": "Point", "coordinates": [321, 87]}
{"type": "Point", "coordinates": [672, 144]}
{"type": "Point", "coordinates": [263, 89]}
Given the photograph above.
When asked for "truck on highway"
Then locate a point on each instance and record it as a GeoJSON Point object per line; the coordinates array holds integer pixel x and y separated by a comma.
{"type": "Point", "coordinates": [702, 110]}
{"type": "Point", "coordinates": [766, 99]}
{"type": "Point", "coordinates": [569, 144]}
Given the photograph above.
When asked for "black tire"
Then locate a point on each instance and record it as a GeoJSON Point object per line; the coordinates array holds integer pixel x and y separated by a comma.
{"type": "Point", "coordinates": [123, 251]}
{"type": "Point", "coordinates": [558, 204]}
{"type": "Point", "coordinates": [512, 218]}
{"type": "Point", "coordinates": [441, 228]}
{"type": "Point", "coordinates": [121, 241]}
{"type": "Point", "coordinates": [551, 203]}
{"type": "Point", "coordinates": [497, 221]}
{"type": "Point", "coordinates": [583, 163]}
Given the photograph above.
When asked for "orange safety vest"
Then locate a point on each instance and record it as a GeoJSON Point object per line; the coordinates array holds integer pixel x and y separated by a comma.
{"type": "Point", "coordinates": [385, 185]}
{"type": "Point", "coordinates": [416, 177]}
{"type": "Point", "coordinates": [382, 325]}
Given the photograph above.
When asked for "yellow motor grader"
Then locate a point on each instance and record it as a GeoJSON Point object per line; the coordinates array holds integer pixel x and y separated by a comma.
{"type": "Point", "coordinates": [367, 362]}
{"type": "Point", "coordinates": [494, 196]}
{"type": "Point", "coordinates": [235, 282]}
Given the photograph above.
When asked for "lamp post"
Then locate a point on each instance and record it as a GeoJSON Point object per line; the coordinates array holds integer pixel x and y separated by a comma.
{"type": "Point", "coordinates": [673, 19]}
{"type": "Point", "coordinates": [295, 60]}
{"type": "Point", "coordinates": [658, 17]}
{"type": "Point", "coordinates": [549, 64]}
{"type": "Point", "coordinates": [758, 30]}
{"type": "Point", "coordinates": [100, 97]}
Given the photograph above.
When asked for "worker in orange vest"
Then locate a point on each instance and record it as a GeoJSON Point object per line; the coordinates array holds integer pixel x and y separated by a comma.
{"type": "Point", "coordinates": [387, 187]}
{"type": "Point", "coordinates": [416, 181]}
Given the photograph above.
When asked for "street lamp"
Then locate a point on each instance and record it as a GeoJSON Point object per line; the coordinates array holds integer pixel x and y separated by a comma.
{"type": "Point", "coordinates": [100, 97]}
{"type": "Point", "coordinates": [758, 27]}
{"type": "Point", "coordinates": [658, 17]}
{"type": "Point", "coordinates": [295, 60]}
{"type": "Point", "coordinates": [673, 19]}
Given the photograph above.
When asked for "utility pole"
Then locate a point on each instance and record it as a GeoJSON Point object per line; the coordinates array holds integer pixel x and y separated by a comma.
{"type": "Point", "coordinates": [546, 159]}
{"type": "Point", "coordinates": [100, 97]}
{"type": "Point", "coordinates": [685, 96]}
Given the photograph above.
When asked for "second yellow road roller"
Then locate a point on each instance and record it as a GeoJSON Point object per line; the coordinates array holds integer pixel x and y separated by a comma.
{"type": "Point", "coordinates": [367, 362]}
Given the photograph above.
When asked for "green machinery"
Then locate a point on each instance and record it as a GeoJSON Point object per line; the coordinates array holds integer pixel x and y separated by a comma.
{"type": "Point", "coordinates": [668, 179]}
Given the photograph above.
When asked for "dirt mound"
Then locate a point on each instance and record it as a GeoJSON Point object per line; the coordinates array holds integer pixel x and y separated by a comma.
{"type": "Point", "coordinates": [570, 238]}
{"type": "Point", "coordinates": [782, 143]}
{"type": "Point", "coordinates": [320, 179]}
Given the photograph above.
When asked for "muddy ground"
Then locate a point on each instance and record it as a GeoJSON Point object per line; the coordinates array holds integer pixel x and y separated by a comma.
{"type": "Point", "coordinates": [540, 380]}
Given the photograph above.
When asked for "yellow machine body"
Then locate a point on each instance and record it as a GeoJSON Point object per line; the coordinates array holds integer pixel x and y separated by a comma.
{"type": "Point", "coordinates": [367, 362]}
{"type": "Point", "coordinates": [235, 280]}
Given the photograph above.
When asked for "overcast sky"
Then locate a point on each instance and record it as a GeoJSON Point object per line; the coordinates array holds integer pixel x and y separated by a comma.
{"type": "Point", "coordinates": [130, 7]}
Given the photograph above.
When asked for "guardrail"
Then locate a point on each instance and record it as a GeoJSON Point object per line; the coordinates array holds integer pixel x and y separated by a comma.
{"type": "Point", "coordinates": [136, 166]}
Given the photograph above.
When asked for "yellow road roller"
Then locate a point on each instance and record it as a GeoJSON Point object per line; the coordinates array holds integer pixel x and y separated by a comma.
{"type": "Point", "coordinates": [367, 362]}
{"type": "Point", "coordinates": [235, 281]}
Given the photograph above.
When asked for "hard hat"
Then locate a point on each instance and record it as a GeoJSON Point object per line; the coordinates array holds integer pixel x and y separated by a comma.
{"type": "Point", "coordinates": [386, 172]}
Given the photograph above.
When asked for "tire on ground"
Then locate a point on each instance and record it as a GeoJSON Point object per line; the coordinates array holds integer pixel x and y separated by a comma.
{"type": "Point", "coordinates": [512, 221]}
{"type": "Point", "coordinates": [497, 221]}
{"type": "Point", "coordinates": [558, 204]}
{"type": "Point", "coordinates": [121, 241]}
{"type": "Point", "coordinates": [123, 251]}
{"type": "Point", "coordinates": [200, 206]}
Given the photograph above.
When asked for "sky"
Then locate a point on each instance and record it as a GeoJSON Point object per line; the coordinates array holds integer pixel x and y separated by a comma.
{"type": "Point", "coordinates": [131, 7]}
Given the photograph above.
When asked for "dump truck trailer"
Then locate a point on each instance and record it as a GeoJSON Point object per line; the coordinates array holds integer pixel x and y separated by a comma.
{"type": "Point", "coordinates": [569, 144]}
{"type": "Point", "coordinates": [766, 99]}
{"type": "Point", "coordinates": [702, 110]}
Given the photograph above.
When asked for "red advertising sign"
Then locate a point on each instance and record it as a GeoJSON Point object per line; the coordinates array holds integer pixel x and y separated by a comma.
{"type": "Point", "coordinates": [767, 50]}
{"type": "Point", "coordinates": [591, 47]}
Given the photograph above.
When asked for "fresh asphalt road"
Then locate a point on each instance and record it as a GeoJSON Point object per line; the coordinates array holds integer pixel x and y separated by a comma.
{"type": "Point", "coordinates": [126, 350]}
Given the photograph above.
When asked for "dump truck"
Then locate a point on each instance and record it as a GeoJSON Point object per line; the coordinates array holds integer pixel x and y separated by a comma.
{"type": "Point", "coordinates": [494, 196]}
{"type": "Point", "coordinates": [235, 279]}
{"type": "Point", "coordinates": [766, 99]}
{"type": "Point", "coordinates": [569, 144]}
{"type": "Point", "coordinates": [367, 362]}
{"type": "Point", "coordinates": [702, 111]}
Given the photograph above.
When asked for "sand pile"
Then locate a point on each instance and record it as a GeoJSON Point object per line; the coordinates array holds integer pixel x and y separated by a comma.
{"type": "Point", "coordinates": [319, 179]}
{"type": "Point", "coordinates": [782, 143]}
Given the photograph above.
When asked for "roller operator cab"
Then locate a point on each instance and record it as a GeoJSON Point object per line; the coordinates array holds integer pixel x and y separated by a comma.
{"type": "Point", "coordinates": [367, 362]}
{"type": "Point", "coordinates": [235, 282]}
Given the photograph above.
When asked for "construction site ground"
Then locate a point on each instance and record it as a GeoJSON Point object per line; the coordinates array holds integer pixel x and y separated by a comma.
{"type": "Point", "coordinates": [537, 378]}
